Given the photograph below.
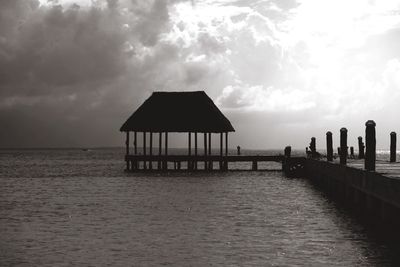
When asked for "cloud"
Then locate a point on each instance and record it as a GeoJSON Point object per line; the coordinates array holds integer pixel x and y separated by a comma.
{"type": "Point", "coordinates": [81, 67]}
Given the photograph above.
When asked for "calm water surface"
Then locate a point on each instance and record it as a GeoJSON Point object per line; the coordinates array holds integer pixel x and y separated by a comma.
{"type": "Point", "coordinates": [75, 208]}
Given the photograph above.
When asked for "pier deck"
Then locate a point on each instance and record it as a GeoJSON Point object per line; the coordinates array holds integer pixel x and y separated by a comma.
{"type": "Point", "coordinates": [386, 168]}
{"type": "Point", "coordinates": [160, 162]}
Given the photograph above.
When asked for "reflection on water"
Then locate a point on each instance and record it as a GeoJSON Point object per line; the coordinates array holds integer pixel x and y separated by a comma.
{"type": "Point", "coordinates": [69, 207]}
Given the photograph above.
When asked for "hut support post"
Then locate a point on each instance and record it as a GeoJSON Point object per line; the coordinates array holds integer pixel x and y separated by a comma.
{"type": "Point", "coordinates": [343, 146]}
{"type": "Point", "coordinates": [144, 150]}
{"type": "Point", "coordinates": [165, 163]}
{"type": "Point", "coordinates": [226, 151]}
{"type": "Point", "coordinates": [329, 146]}
{"type": "Point", "coordinates": [159, 149]}
{"type": "Point", "coordinates": [221, 149]}
{"type": "Point", "coordinates": [195, 150]}
{"type": "Point", "coordinates": [210, 163]}
{"type": "Point", "coordinates": [370, 149]}
{"type": "Point", "coordinates": [393, 147]}
{"type": "Point", "coordinates": [189, 164]}
{"type": "Point", "coordinates": [151, 151]}
{"type": "Point", "coordinates": [205, 151]}
{"type": "Point", "coordinates": [135, 163]}
{"type": "Point", "coordinates": [127, 150]}
{"type": "Point", "coordinates": [135, 143]}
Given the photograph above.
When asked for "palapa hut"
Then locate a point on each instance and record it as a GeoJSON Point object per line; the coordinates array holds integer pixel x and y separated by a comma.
{"type": "Point", "coordinates": [167, 112]}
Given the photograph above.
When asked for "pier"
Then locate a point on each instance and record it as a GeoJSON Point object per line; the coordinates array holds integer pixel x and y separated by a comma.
{"type": "Point", "coordinates": [370, 186]}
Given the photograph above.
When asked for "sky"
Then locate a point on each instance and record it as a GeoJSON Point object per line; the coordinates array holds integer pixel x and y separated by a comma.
{"type": "Point", "coordinates": [282, 71]}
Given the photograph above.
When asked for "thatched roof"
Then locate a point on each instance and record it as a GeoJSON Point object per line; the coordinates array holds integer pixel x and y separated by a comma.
{"type": "Point", "coordinates": [178, 112]}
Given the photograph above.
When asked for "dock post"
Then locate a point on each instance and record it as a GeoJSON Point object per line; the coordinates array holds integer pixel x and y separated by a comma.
{"type": "Point", "coordinates": [360, 148]}
{"type": "Point", "coordinates": [288, 151]}
{"type": "Point", "coordinates": [370, 149]}
{"type": "Point", "coordinates": [393, 147]}
{"type": "Point", "coordinates": [329, 146]}
{"type": "Point", "coordinates": [151, 151]}
{"type": "Point", "coordinates": [254, 165]}
{"type": "Point", "coordinates": [352, 152]}
{"type": "Point", "coordinates": [343, 146]}
{"type": "Point", "coordinates": [313, 147]}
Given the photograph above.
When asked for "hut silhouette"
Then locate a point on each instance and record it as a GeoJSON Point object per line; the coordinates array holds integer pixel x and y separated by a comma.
{"type": "Point", "coordinates": [168, 112]}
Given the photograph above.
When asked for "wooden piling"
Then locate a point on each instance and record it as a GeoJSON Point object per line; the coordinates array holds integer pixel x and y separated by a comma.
{"type": "Point", "coordinates": [329, 146]}
{"type": "Point", "coordinates": [254, 165]}
{"type": "Point", "coordinates": [144, 150]}
{"type": "Point", "coordinates": [343, 146]}
{"type": "Point", "coordinates": [226, 151]}
{"type": "Point", "coordinates": [370, 148]}
{"type": "Point", "coordinates": [159, 148]}
{"type": "Point", "coordinates": [151, 150]}
{"type": "Point", "coordinates": [313, 147]}
{"type": "Point", "coordinates": [189, 163]}
{"type": "Point", "coordinates": [127, 150]}
{"type": "Point", "coordinates": [361, 147]}
{"type": "Point", "coordinates": [165, 163]}
{"type": "Point", "coordinates": [393, 147]}
{"type": "Point", "coordinates": [352, 152]}
{"type": "Point", "coordinates": [127, 143]}
{"type": "Point", "coordinates": [135, 143]}
{"type": "Point", "coordinates": [287, 151]}
{"type": "Point", "coordinates": [205, 150]}
{"type": "Point", "coordinates": [210, 163]}
{"type": "Point", "coordinates": [135, 163]}
{"type": "Point", "coordinates": [195, 149]}
{"type": "Point", "coordinates": [221, 149]}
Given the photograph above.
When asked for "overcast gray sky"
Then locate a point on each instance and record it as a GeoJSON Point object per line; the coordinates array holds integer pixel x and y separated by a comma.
{"type": "Point", "coordinates": [282, 71]}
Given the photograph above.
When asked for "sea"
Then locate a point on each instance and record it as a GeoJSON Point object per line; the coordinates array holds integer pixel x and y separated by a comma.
{"type": "Point", "coordinates": [74, 207]}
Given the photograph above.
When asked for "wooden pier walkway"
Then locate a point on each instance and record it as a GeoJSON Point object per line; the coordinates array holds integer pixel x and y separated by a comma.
{"type": "Point", "coordinates": [191, 162]}
{"type": "Point", "coordinates": [386, 168]}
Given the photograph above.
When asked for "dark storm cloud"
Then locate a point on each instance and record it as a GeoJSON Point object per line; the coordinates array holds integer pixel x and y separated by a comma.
{"type": "Point", "coordinates": [63, 67]}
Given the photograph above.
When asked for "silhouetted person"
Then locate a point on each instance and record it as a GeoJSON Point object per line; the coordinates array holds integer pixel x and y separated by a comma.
{"type": "Point", "coordinates": [238, 150]}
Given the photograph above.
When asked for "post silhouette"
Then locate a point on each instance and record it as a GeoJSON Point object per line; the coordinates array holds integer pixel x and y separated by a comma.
{"type": "Point", "coordinates": [370, 149]}
{"type": "Point", "coordinates": [343, 146]}
{"type": "Point", "coordinates": [189, 163]}
{"type": "Point", "coordinates": [159, 148]}
{"type": "Point", "coordinates": [313, 147]}
{"type": "Point", "coordinates": [205, 150]}
{"type": "Point", "coordinates": [361, 147]}
{"type": "Point", "coordinates": [151, 151]}
{"type": "Point", "coordinates": [144, 150]}
{"type": "Point", "coordinates": [195, 150]}
{"type": "Point", "coordinates": [127, 149]}
{"type": "Point", "coordinates": [352, 152]}
{"type": "Point", "coordinates": [288, 151]}
{"type": "Point", "coordinates": [393, 147]}
{"type": "Point", "coordinates": [329, 146]}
